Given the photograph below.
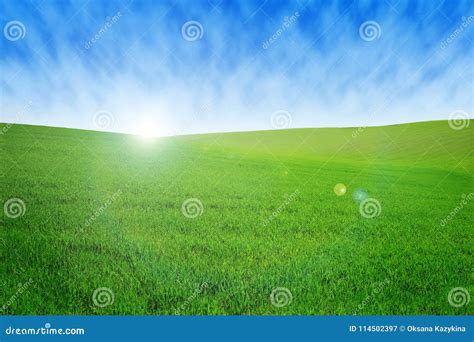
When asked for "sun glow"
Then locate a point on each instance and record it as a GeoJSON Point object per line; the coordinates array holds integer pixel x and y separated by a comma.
{"type": "Point", "coordinates": [149, 129]}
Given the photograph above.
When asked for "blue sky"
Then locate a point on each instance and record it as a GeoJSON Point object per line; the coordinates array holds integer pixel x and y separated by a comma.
{"type": "Point", "coordinates": [130, 66]}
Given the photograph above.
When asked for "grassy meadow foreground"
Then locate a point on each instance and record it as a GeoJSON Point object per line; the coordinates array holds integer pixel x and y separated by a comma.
{"type": "Point", "coordinates": [216, 223]}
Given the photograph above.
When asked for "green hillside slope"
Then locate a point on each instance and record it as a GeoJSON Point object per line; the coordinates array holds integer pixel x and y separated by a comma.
{"type": "Point", "coordinates": [102, 210]}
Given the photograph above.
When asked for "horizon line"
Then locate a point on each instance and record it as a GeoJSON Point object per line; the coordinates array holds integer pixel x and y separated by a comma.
{"type": "Point", "coordinates": [228, 132]}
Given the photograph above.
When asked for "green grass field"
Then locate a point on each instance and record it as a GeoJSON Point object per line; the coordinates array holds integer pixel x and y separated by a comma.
{"type": "Point", "coordinates": [105, 210]}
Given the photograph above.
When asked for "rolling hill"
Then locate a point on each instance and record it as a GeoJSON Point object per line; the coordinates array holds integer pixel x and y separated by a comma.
{"type": "Point", "coordinates": [374, 220]}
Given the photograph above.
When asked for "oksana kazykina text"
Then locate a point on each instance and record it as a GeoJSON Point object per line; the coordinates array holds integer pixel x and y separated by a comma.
{"type": "Point", "coordinates": [436, 328]}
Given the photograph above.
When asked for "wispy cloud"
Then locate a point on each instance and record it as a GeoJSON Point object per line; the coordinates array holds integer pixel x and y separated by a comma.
{"type": "Point", "coordinates": [130, 59]}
